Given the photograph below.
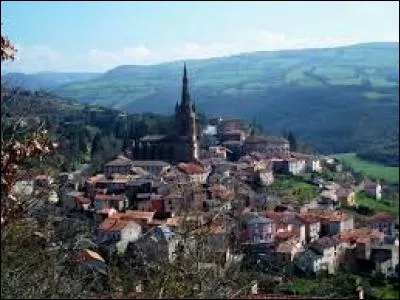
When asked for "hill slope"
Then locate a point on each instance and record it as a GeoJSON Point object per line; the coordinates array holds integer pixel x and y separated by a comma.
{"type": "Point", "coordinates": [338, 99]}
{"type": "Point", "coordinates": [44, 80]}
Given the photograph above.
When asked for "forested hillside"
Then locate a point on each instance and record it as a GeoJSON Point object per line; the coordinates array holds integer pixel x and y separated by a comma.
{"type": "Point", "coordinates": [337, 99]}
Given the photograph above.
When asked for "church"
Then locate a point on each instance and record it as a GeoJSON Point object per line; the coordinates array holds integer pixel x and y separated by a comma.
{"type": "Point", "coordinates": [179, 146]}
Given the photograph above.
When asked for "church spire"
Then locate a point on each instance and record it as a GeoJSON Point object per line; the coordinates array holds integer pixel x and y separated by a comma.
{"type": "Point", "coordinates": [185, 101]}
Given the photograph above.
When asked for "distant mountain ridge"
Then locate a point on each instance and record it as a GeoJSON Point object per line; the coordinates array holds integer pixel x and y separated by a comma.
{"type": "Point", "coordinates": [338, 99]}
{"type": "Point", "coordinates": [44, 80]}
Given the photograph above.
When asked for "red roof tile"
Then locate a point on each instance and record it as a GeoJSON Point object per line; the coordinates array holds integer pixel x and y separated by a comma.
{"type": "Point", "coordinates": [109, 197]}
{"type": "Point", "coordinates": [112, 224]}
{"type": "Point", "coordinates": [81, 200]}
{"type": "Point", "coordinates": [383, 217]}
{"type": "Point", "coordinates": [190, 168]}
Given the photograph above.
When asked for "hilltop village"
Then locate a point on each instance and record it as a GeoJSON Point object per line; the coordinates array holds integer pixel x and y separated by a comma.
{"type": "Point", "coordinates": [232, 189]}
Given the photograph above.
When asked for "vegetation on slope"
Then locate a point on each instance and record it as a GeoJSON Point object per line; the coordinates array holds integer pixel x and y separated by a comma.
{"type": "Point", "coordinates": [370, 169]}
{"type": "Point", "coordinates": [306, 91]}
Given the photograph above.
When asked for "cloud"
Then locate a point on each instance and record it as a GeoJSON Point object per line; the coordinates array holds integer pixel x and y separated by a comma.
{"type": "Point", "coordinates": [41, 57]}
{"type": "Point", "coordinates": [33, 58]}
{"type": "Point", "coordinates": [127, 55]}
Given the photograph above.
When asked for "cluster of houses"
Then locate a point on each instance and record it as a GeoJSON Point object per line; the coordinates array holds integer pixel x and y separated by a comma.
{"type": "Point", "coordinates": [146, 202]}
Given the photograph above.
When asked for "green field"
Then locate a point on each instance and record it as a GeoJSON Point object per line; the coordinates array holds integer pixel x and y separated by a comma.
{"type": "Point", "coordinates": [370, 169]}
{"type": "Point", "coordinates": [292, 190]}
{"type": "Point", "coordinates": [383, 205]}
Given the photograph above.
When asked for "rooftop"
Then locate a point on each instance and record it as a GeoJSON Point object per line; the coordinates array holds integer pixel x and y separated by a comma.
{"type": "Point", "coordinates": [113, 224]}
{"type": "Point", "coordinates": [103, 197]}
{"type": "Point", "coordinates": [325, 242]}
{"type": "Point", "coordinates": [382, 217]}
{"type": "Point", "coordinates": [152, 138]}
{"type": "Point", "coordinates": [119, 161]}
{"type": "Point", "coordinates": [143, 163]}
{"type": "Point", "coordinates": [190, 168]}
{"type": "Point", "coordinates": [359, 235]}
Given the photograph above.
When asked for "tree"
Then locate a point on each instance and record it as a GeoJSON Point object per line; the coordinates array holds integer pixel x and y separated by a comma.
{"type": "Point", "coordinates": [292, 141]}
{"type": "Point", "coordinates": [19, 141]}
{"type": "Point", "coordinates": [96, 144]}
{"type": "Point", "coordinates": [7, 49]}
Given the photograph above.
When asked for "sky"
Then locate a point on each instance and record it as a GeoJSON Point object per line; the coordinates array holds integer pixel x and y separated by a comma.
{"type": "Point", "coordinates": [95, 36]}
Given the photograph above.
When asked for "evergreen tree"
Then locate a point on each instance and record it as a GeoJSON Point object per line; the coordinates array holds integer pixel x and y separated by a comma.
{"type": "Point", "coordinates": [292, 141]}
{"type": "Point", "coordinates": [97, 145]}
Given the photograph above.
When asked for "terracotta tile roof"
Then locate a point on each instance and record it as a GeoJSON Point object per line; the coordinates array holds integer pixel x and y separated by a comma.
{"type": "Point", "coordinates": [113, 224]}
{"type": "Point", "coordinates": [329, 215]}
{"type": "Point", "coordinates": [382, 217]}
{"type": "Point", "coordinates": [308, 218]}
{"type": "Point", "coordinates": [119, 161]}
{"type": "Point", "coordinates": [190, 168]}
{"type": "Point", "coordinates": [95, 178]}
{"type": "Point", "coordinates": [81, 200]}
{"type": "Point", "coordinates": [285, 235]}
{"type": "Point", "coordinates": [137, 215]}
{"type": "Point", "coordinates": [103, 197]}
{"type": "Point", "coordinates": [360, 235]}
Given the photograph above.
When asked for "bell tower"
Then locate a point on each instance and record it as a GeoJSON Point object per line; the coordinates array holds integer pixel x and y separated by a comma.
{"type": "Point", "coordinates": [185, 119]}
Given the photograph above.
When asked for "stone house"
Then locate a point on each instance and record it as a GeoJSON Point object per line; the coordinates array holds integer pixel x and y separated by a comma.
{"type": "Point", "coordinates": [218, 152]}
{"type": "Point", "coordinates": [373, 190]}
{"type": "Point", "coordinates": [313, 163]}
{"type": "Point", "coordinates": [155, 167]}
{"type": "Point", "coordinates": [120, 165]}
{"type": "Point", "coordinates": [288, 222]}
{"type": "Point", "coordinates": [309, 261]}
{"type": "Point", "coordinates": [289, 166]}
{"type": "Point", "coordinates": [160, 243]}
{"type": "Point", "coordinates": [270, 146]}
{"type": "Point", "coordinates": [194, 172]}
{"type": "Point", "coordinates": [287, 250]}
{"type": "Point", "coordinates": [173, 202]}
{"type": "Point", "coordinates": [233, 135]}
{"type": "Point", "coordinates": [228, 125]}
{"type": "Point", "coordinates": [256, 229]}
{"type": "Point", "coordinates": [331, 250]}
{"type": "Point", "coordinates": [118, 202]}
{"type": "Point", "coordinates": [118, 231]}
{"type": "Point", "coordinates": [346, 195]}
{"type": "Point", "coordinates": [333, 222]}
{"type": "Point", "coordinates": [383, 222]}
{"type": "Point", "coordinates": [385, 259]}
{"type": "Point", "coordinates": [333, 164]}
{"type": "Point", "coordinates": [312, 226]}
{"type": "Point", "coordinates": [141, 217]}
